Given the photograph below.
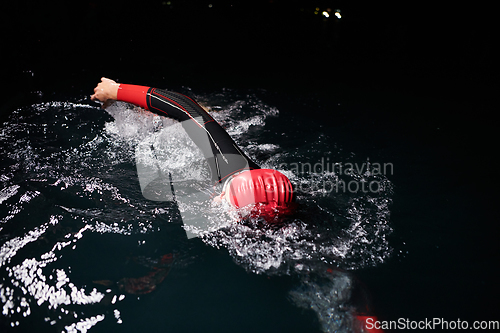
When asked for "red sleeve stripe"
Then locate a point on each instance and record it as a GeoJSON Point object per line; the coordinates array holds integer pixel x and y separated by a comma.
{"type": "Point", "coordinates": [133, 94]}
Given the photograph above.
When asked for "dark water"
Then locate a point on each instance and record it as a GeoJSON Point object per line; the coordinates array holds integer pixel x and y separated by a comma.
{"type": "Point", "coordinates": [70, 180]}
{"type": "Point", "coordinates": [75, 224]}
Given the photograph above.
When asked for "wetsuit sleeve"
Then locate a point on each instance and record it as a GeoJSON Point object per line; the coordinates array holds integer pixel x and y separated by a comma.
{"type": "Point", "coordinates": [221, 152]}
{"type": "Point", "coordinates": [133, 94]}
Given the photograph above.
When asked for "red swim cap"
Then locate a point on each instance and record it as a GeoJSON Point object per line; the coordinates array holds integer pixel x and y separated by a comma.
{"type": "Point", "coordinates": [268, 190]}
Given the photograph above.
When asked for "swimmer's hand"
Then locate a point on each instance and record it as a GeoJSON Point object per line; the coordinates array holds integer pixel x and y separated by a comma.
{"type": "Point", "coordinates": [106, 92]}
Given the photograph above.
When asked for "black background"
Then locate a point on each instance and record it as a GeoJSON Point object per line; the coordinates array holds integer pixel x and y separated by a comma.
{"type": "Point", "coordinates": [421, 48]}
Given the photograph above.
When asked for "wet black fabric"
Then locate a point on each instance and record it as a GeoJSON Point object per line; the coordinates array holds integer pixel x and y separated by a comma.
{"type": "Point", "coordinates": [223, 155]}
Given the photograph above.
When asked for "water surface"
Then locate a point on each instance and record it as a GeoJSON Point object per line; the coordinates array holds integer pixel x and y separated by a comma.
{"type": "Point", "coordinates": [76, 230]}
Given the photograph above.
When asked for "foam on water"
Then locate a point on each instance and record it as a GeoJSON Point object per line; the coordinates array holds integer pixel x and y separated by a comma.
{"type": "Point", "coordinates": [68, 172]}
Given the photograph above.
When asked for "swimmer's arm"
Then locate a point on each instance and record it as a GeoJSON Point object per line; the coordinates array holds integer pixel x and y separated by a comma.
{"type": "Point", "coordinates": [108, 91]}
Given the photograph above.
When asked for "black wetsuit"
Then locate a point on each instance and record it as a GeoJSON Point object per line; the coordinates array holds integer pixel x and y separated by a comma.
{"type": "Point", "coordinates": [221, 152]}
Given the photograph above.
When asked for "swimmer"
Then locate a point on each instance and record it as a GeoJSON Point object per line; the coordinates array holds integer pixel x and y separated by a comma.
{"type": "Point", "coordinates": [267, 193]}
